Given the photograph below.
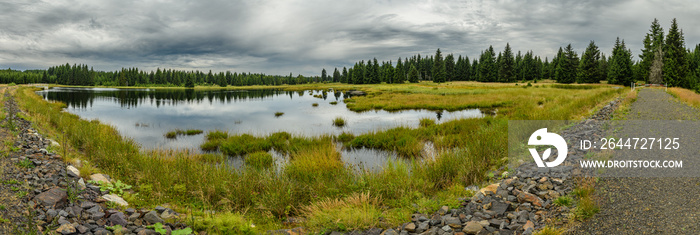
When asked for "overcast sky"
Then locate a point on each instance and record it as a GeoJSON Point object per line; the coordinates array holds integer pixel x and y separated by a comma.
{"type": "Point", "coordinates": [283, 36]}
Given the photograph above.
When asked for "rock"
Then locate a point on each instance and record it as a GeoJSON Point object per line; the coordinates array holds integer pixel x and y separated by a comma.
{"type": "Point", "coordinates": [134, 216]}
{"type": "Point", "coordinates": [66, 229]}
{"type": "Point", "coordinates": [411, 227]}
{"type": "Point", "coordinates": [116, 199]}
{"type": "Point", "coordinates": [443, 210]}
{"type": "Point", "coordinates": [390, 232]}
{"type": "Point", "coordinates": [529, 224]}
{"type": "Point", "coordinates": [54, 143]}
{"type": "Point", "coordinates": [152, 217]}
{"type": "Point", "coordinates": [100, 178]}
{"type": "Point", "coordinates": [499, 207]}
{"type": "Point", "coordinates": [435, 220]}
{"type": "Point", "coordinates": [531, 198]}
{"type": "Point", "coordinates": [491, 188]}
{"type": "Point", "coordinates": [147, 232]}
{"type": "Point", "coordinates": [159, 209]}
{"type": "Point", "coordinates": [168, 214]}
{"type": "Point", "coordinates": [72, 171]}
{"type": "Point", "coordinates": [97, 215]}
{"type": "Point", "coordinates": [453, 222]}
{"type": "Point", "coordinates": [472, 227]}
{"type": "Point", "coordinates": [81, 183]}
{"type": "Point", "coordinates": [101, 231]}
{"type": "Point", "coordinates": [118, 219]}
{"type": "Point", "coordinates": [82, 229]}
{"type": "Point", "coordinates": [53, 198]}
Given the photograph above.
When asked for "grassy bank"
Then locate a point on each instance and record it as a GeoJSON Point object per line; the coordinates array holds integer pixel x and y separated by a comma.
{"type": "Point", "coordinates": [315, 183]}
{"type": "Point", "coordinates": [690, 97]}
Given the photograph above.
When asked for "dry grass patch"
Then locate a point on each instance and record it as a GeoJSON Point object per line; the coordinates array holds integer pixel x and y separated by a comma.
{"type": "Point", "coordinates": [686, 96]}
{"type": "Point", "coordinates": [357, 211]}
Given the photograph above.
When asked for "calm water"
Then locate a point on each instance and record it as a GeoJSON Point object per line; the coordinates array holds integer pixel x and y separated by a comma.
{"type": "Point", "coordinates": [145, 115]}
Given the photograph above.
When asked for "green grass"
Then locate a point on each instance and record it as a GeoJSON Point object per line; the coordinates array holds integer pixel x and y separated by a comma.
{"type": "Point", "coordinates": [563, 201]}
{"type": "Point", "coordinates": [426, 122]}
{"type": "Point", "coordinates": [339, 122]}
{"type": "Point", "coordinates": [467, 149]}
{"type": "Point", "coordinates": [333, 102]}
{"type": "Point", "coordinates": [26, 163]}
{"type": "Point", "coordinates": [259, 160]}
{"type": "Point", "coordinates": [314, 104]}
{"type": "Point", "coordinates": [277, 114]}
{"type": "Point", "coordinates": [176, 132]}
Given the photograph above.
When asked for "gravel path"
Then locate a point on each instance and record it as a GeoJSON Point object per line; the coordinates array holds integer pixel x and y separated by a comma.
{"type": "Point", "coordinates": [648, 205]}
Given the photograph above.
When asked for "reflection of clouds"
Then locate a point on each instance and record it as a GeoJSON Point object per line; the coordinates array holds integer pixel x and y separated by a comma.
{"type": "Point", "coordinates": [256, 116]}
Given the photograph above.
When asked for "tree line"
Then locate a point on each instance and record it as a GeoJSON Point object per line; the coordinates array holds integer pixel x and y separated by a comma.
{"type": "Point", "coordinates": [663, 60]}
{"type": "Point", "coordinates": [81, 75]}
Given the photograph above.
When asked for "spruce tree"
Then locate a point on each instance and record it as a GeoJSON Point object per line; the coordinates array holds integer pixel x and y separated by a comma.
{"type": "Point", "coordinates": [413, 74]}
{"type": "Point", "coordinates": [399, 74]}
{"type": "Point", "coordinates": [449, 67]}
{"type": "Point", "coordinates": [588, 71]}
{"type": "Point", "coordinates": [620, 65]}
{"type": "Point", "coordinates": [506, 67]}
{"type": "Point", "coordinates": [438, 68]}
{"type": "Point", "coordinates": [675, 68]}
{"type": "Point", "coordinates": [566, 66]}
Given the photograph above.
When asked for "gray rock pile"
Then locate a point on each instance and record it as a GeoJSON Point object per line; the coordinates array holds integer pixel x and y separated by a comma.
{"type": "Point", "coordinates": [60, 201]}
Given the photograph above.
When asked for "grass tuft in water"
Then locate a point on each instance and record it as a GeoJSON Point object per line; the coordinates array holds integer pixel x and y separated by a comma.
{"type": "Point", "coordinates": [314, 104]}
{"type": "Point", "coordinates": [176, 132]}
{"type": "Point", "coordinates": [339, 122]}
{"type": "Point", "coordinates": [259, 160]}
{"type": "Point", "coordinates": [278, 114]}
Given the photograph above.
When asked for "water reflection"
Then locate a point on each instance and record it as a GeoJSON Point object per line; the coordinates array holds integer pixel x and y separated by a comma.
{"type": "Point", "coordinates": [147, 114]}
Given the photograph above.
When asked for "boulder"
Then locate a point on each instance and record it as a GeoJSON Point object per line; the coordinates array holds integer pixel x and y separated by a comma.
{"type": "Point", "coordinates": [116, 199]}
{"type": "Point", "coordinates": [472, 227]}
{"type": "Point", "coordinates": [118, 219]}
{"type": "Point", "coordinates": [72, 171]}
{"type": "Point", "coordinates": [66, 229]}
{"type": "Point", "coordinates": [53, 198]}
{"type": "Point", "coordinates": [152, 217]}
{"type": "Point", "coordinates": [102, 178]}
{"type": "Point", "coordinates": [531, 198]}
{"type": "Point", "coordinates": [491, 188]}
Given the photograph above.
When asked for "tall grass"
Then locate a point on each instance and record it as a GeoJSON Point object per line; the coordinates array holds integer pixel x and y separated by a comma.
{"type": "Point", "coordinates": [686, 95]}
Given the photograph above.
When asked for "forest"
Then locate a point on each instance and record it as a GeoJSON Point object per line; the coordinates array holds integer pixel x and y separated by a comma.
{"type": "Point", "coordinates": [664, 59]}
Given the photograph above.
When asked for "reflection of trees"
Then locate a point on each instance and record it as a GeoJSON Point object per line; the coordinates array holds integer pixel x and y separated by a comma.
{"type": "Point", "coordinates": [128, 98]}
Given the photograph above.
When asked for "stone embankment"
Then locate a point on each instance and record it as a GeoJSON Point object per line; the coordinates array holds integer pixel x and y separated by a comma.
{"type": "Point", "coordinates": [54, 198]}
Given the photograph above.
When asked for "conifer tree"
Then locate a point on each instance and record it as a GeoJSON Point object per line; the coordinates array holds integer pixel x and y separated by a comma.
{"type": "Point", "coordinates": [588, 71]}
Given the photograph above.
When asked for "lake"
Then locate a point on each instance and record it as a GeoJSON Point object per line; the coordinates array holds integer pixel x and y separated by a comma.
{"type": "Point", "coordinates": [145, 115]}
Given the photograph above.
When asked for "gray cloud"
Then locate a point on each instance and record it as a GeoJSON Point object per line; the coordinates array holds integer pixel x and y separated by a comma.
{"type": "Point", "coordinates": [278, 37]}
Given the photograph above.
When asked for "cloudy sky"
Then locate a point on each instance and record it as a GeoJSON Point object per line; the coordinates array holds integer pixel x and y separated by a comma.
{"type": "Point", "coordinates": [283, 36]}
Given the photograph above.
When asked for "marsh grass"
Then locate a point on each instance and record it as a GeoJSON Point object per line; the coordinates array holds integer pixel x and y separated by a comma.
{"type": "Point", "coordinates": [314, 105]}
{"type": "Point", "coordinates": [259, 160]}
{"type": "Point", "coordinates": [278, 114]}
{"type": "Point", "coordinates": [426, 122]}
{"type": "Point", "coordinates": [176, 132]}
{"type": "Point", "coordinates": [339, 122]}
{"type": "Point", "coordinates": [333, 102]}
